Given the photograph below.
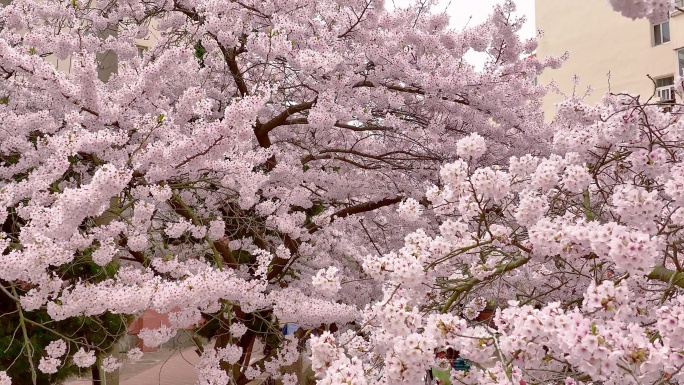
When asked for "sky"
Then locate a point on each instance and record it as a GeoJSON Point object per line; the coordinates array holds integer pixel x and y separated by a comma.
{"type": "Point", "coordinates": [461, 12]}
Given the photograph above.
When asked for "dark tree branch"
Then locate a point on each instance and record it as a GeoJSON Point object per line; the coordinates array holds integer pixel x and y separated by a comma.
{"type": "Point", "coordinates": [262, 129]}
{"type": "Point", "coordinates": [200, 154]}
{"type": "Point", "coordinates": [358, 209]}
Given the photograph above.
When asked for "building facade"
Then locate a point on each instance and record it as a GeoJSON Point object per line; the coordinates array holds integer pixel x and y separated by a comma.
{"type": "Point", "coordinates": [107, 62]}
{"type": "Point", "coordinates": [608, 52]}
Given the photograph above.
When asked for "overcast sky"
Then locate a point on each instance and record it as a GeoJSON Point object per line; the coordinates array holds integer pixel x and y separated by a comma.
{"type": "Point", "coordinates": [461, 12]}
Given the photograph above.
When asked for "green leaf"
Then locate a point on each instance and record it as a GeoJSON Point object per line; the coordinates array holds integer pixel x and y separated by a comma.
{"type": "Point", "coordinates": [200, 51]}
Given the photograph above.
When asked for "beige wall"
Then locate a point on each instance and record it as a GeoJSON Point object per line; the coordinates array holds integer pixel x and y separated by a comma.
{"type": "Point", "coordinates": [107, 62]}
{"type": "Point", "coordinates": [600, 41]}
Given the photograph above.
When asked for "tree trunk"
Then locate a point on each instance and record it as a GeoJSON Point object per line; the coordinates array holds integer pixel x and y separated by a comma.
{"type": "Point", "coordinates": [246, 342]}
{"type": "Point", "coordinates": [95, 372]}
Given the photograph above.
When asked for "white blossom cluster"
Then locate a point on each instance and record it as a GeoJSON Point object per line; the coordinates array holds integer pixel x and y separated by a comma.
{"type": "Point", "coordinates": [51, 362]}
{"type": "Point", "coordinates": [327, 281]}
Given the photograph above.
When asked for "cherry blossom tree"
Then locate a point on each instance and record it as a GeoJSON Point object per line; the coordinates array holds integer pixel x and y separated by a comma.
{"type": "Point", "coordinates": [578, 251]}
{"type": "Point", "coordinates": [263, 162]}
{"type": "Point", "coordinates": [239, 169]}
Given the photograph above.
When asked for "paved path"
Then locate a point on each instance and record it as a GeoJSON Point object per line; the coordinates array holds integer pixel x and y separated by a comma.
{"type": "Point", "coordinates": [163, 367]}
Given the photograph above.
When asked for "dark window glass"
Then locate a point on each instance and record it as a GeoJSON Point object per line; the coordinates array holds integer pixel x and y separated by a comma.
{"type": "Point", "coordinates": [661, 33]}
{"type": "Point", "coordinates": [662, 82]}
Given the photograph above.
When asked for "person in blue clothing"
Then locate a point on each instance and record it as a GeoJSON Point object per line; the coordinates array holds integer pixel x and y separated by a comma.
{"type": "Point", "coordinates": [436, 376]}
{"type": "Point", "coordinates": [456, 361]}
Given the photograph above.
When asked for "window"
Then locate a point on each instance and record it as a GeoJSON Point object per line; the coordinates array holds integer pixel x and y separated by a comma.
{"type": "Point", "coordinates": [665, 89]}
{"type": "Point", "coordinates": [661, 33]}
{"type": "Point", "coordinates": [680, 3]}
{"type": "Point", "coordinates": [141, 50]}
{"type": "Point", "coordinates": [680, 61]}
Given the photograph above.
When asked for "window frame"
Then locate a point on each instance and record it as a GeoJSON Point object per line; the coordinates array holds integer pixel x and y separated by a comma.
{"type": "Point", "coordinates": [657, 35]}
{"type": "Point", "coordinates": [665, 87]}
{"type": "Point", "coordinates": [141, 50]}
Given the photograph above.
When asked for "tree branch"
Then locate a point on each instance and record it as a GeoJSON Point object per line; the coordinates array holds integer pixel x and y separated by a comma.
{"type": "Point", "coordinates": [359, 208]}
{"type": "Point", "coordinates": [469, 284]}
{"type": "Point", "coordinates": [261, 130]}
{"type": "Point", "coordinates": [663, 274]}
